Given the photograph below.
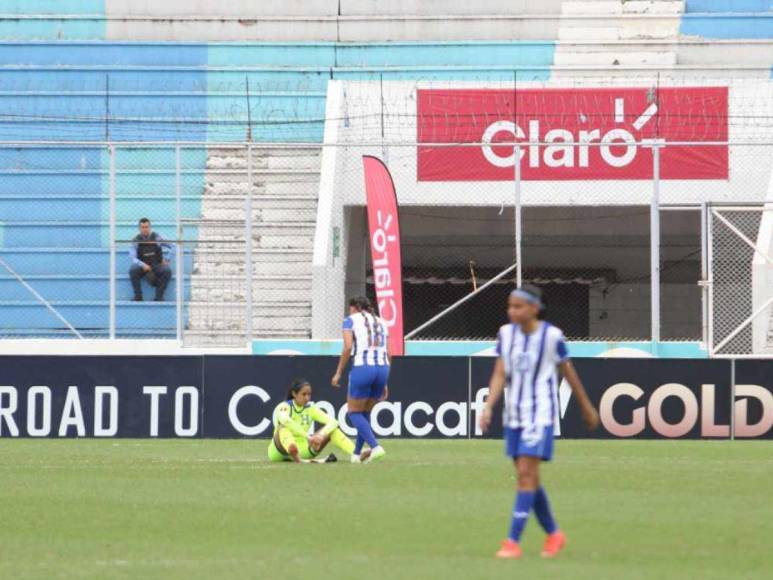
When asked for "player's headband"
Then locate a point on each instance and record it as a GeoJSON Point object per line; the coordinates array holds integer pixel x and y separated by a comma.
{"type": "Point", "coordinates": [527, 296]}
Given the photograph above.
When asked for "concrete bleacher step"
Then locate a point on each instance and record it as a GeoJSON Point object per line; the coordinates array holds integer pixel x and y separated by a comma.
{"type": "Point", "coordinates": [82, 287]}
{"type": "Point", "coordinates": [294, 188]}
{"type": "Point", "coordinates": [441, 25]}
{"type": "Point", "coordinates": [85, 262]}
{"type": "Point", "coordinates": [97, 287]}
{"type": "Point", "coordinates": [212, 339]}
{"type": "Point", "coordinates": [282, 214]}
{"type": "Point", "coordinates": [618, 7]}
{"type": "Point", "coordinates": [266, 318]}
{"type": "Point", "coordinates": [286, 239]}
{"type": "Point", "coordinates": [260, 202]}
{"type": "Point", "coordinates": [284, 201]}
{"type": "Point", "coordinates": [609, 33]}
{"type": "Point", "coordinates": [594, 58]}
{"type": "Point", "coordinates": [264, 177]}
{"type": "Point", "coordinates": [316, 20]}
{"type": "Point", "coordinates": [626, 30]}
{"type": "Point", "coordinates": [228, 241]}
{"type": "Point", "coordinates": [89, 314]}
{"type": "Point", "coordinates": [589, 33]}
{"type": "Point", "coordinates": [218, 268]}
{"type": "Point", "coordinates": [260, 309]}
{"type": "Point", "coordinates": [235, 291]}
{"type": "Point", "coordinates": [280, 327]}
{"type": "Point", "coordinates": [265, 160]}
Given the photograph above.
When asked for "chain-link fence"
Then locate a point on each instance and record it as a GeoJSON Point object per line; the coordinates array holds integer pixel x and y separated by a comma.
{"type": "Point", "coordinates": [54, 275]}
{"type": "Point", "coordinates": [269, 241]}
{"type": "Point", "coordinates": [593, 266]}
{"type": "Point", "coordinates": [614, 261]}
{"type": "Point", "coordinates": [741, 280]}
{"type": "Point", "coordinates": [681, 272]}
{"type": "Point", "coordinates": [79, 259]}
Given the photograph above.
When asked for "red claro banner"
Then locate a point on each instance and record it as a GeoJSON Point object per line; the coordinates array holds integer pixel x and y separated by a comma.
{"type": "Point", "coordinates": [384, 229]}
{"type": "Point", "coordinates": [588, 133]}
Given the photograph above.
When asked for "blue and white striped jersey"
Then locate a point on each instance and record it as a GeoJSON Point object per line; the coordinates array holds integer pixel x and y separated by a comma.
{"type": "Point", "coordinates": [370, 339]}
{"type": "Point", "coordinates": [531, 366]}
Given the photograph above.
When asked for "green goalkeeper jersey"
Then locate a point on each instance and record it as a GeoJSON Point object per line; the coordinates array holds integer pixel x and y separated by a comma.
{"type": "Point", "coordinates": [299, 420]}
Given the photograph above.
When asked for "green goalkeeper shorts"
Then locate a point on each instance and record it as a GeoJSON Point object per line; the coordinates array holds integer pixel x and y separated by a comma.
{"type": "Point", "coordinates": [304, 451]}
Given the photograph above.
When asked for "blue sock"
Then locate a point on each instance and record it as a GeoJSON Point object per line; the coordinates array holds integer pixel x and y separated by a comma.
{"type": "Point", "coordinates": [360, 441]}
{"type": "Point", "coordinates": [523, 504]}
{"type": "Point", "coordinates": [363, 428]}
{"type": "Point", "coordinates": [542, 511]}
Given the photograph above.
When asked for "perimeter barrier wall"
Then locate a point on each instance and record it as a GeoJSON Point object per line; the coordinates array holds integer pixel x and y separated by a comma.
{"type": "Point", "coordinates": [228, 396]}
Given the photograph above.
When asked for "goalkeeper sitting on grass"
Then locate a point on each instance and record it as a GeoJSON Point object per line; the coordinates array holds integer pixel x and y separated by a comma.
{"type": "Point", "coordinates": [293, 420]}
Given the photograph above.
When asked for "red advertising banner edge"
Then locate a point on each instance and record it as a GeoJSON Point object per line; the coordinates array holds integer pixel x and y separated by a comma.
{"type": "Point", "coordinates": [398, 347]}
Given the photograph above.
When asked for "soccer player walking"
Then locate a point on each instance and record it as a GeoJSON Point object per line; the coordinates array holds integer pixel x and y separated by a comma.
{"type": "Point", "coordinates": [530, 352]}
{"type": "Point", "coordinates": [365, 341]}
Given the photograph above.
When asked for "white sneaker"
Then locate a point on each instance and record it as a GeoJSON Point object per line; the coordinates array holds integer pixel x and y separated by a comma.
{"type": "Point", "coordinates": [377, 454]}
{"type": "Point", "coordinates": [354, 458]}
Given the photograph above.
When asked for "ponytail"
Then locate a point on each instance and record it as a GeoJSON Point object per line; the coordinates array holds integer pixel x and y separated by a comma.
{"type": "Point", "coordinates": [361, 303]}
{"type": "Point", "coordinates": [372, 324]}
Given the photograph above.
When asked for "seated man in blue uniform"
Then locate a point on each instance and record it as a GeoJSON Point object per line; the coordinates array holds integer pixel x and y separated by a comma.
{"type": "Point", "coordinates": [149, 254]}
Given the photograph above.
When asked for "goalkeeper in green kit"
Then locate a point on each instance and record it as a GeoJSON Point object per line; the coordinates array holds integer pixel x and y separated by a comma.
{"type": "Point", "coordinates": [293, 420]}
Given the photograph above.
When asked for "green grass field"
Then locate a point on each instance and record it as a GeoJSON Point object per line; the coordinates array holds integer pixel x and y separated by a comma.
{"type": "Point", "coordinates": [435, 509]}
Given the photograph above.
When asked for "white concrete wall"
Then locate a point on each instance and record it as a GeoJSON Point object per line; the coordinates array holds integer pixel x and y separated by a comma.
{"type": "Point", "coordinates": [329, 20]}
{"type": "Point", "coordinates": [329, 261]}
{"type": "Point", "coordinates": [435, 7]}
{"type": "Point", "coordinates": [762, 280]}
{"type": "Point", "coordinates": [359, 121]}
{"type": "Point", "coordinates": [329, 28]}
{"type": "Point", "coordinates": [749, 169]}
{"type": "Point", "coordinates": [256, 8]}
{"type": "Point", "coordinates": [284, 29]}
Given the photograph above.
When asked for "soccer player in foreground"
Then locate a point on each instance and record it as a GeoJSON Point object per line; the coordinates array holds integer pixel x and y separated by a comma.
{"type": "Point", "coordinates": [530, 351]}
{"type": "Point", "coordinates": [293, 419]}
{"type": "Point", "coordinates": [366, 341]}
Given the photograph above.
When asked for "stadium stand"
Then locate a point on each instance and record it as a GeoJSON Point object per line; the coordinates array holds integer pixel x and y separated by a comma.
{"type": "Point", "coordinates": [57, 94]}
{"type": "Point", "coordinates": [126, 71]}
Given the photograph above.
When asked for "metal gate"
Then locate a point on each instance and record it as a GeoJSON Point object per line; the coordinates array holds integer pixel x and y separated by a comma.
{"type": "Point", "coordinates": [739, 286]}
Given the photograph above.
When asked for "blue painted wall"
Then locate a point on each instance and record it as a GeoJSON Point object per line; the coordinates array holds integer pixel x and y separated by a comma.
{"type": "Point", "coordinates": [90, 23]}
{"type": "Point", "coordinates": [288, 90]}
{"type": "Point", "coordinates": [79, 7]}
{"type": "Point", "coordinates": [729, 19]}
{"type": "Point", "coordinates": [728, 6]}
{"type": "Point", "coordinates": [64, 91]}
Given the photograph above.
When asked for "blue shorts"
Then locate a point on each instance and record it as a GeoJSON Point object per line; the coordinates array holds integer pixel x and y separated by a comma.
{"type": "Point", "coordinates": [368, 382]}
{"type": "Point", "coordinates": [530, 441]}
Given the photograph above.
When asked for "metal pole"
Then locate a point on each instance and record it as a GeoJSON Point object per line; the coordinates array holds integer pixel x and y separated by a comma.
{"type": "Point", "coordinates": [655, 245]}
{"type": "Point", "coordinates": [470, 423]}
{"type": "Point", "coordinates": [179, 269]}
{"type": "Point", "coordinates": [458, 303]}
{"type": "Point", "coordinates": [704, 277]}
{"type": "Point", "coordinates": [248, 246]}
{"type": "Point", "coordinates": [710, 280]}
{"type": "Point", "coordinates": [732, 400]}
{"type": "Point", "coordinates": [112, 244]}
{"type": "Point", "coordinates": [518, 219]}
